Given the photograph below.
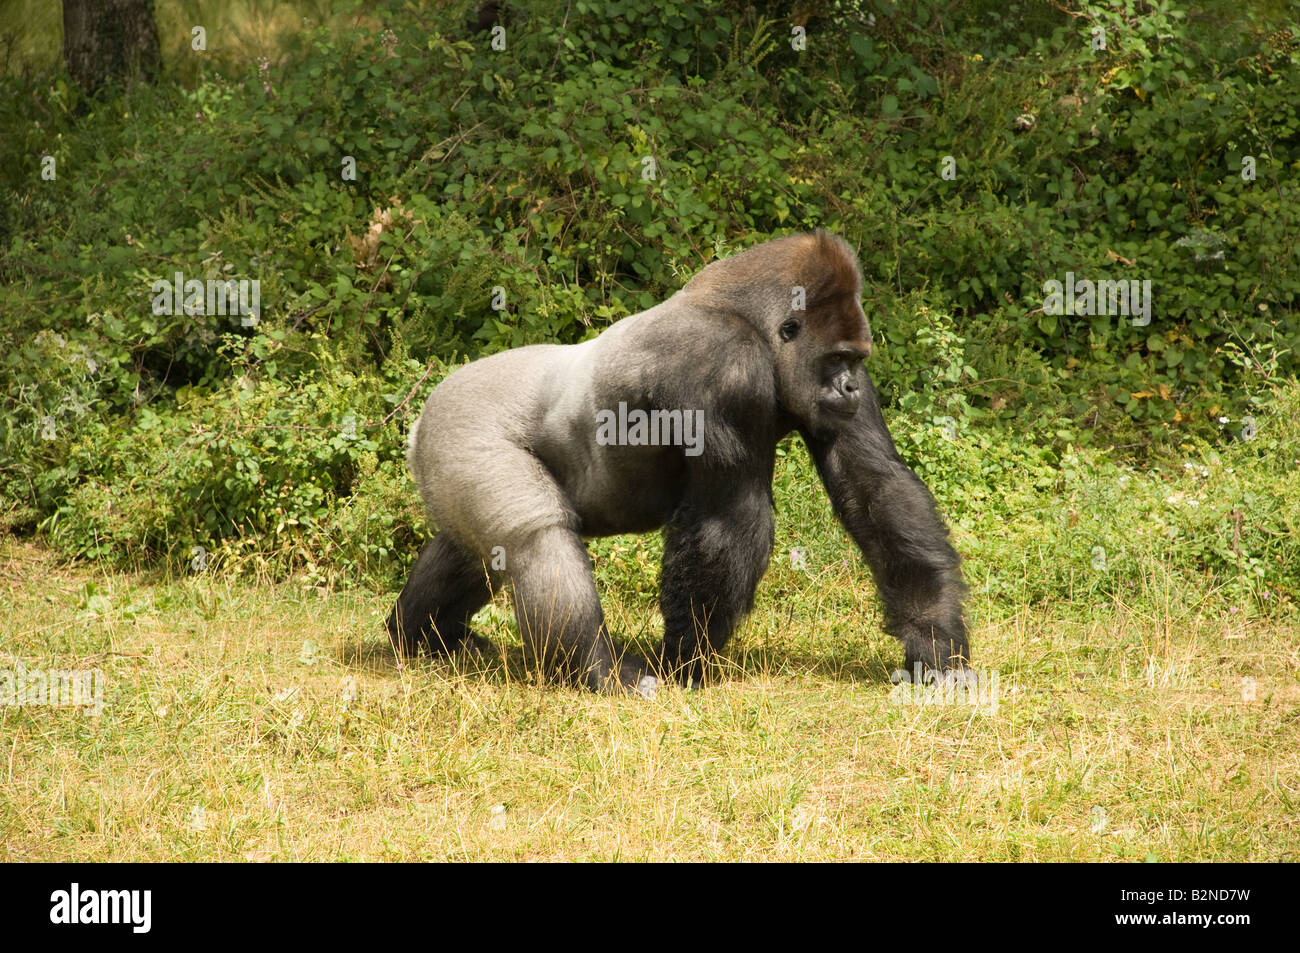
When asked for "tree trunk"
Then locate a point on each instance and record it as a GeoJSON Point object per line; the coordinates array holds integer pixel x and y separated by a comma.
{"type": "Point", "coordinates": [107, 40]}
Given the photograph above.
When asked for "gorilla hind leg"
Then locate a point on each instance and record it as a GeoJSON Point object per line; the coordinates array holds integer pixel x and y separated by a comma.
{"type": "Point", "coordinates": [560, 618]}
{"type": "Point", "coordinates": [447, 586]}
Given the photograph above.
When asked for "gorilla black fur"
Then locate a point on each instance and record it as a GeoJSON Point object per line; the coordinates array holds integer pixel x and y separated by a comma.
{"type": "Point", "coordinates": [764, 343]}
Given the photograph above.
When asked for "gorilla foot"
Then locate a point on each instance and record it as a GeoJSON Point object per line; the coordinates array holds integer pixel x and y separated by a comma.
{"type": "Point", "coordinates": [933, 650]}
{"type": "Point", "coordinates": [478, 646]}
{"type": "Point", "coordinates": [406, 646]}
{"type": "Point", "coordinates": [409, 645]}
{"type": "Point", "coordinates": [625, 677]}
{"type": "Point", "coordinates": [685, 663]}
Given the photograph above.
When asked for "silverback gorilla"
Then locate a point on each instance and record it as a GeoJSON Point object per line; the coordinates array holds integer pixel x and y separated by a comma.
{"type": "Point", "coordinates": [670, 418]}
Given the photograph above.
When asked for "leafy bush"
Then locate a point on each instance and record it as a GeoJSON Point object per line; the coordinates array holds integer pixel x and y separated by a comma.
{"type": "Point", "coordinates": [539, 192]}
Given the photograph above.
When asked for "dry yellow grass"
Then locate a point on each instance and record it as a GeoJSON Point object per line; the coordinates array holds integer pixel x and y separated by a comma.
{"type": "Point", "coordinates": [248, 722]}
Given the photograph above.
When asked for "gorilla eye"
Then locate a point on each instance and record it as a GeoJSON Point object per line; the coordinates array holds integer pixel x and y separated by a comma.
{"type": "Point", "coordinates": [789, 330]}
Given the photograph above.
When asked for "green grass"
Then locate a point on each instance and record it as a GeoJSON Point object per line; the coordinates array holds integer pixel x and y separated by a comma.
{"type": "Point", "coordinates": [1126, 728]}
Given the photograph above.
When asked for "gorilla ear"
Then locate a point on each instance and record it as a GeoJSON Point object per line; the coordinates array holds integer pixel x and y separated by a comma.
{"type": "Point", "coordinates": [790, 330]}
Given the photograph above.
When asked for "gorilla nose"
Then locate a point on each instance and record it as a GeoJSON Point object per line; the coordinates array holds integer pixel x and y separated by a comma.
{"type": "Point", "coordinates": [847, 401]}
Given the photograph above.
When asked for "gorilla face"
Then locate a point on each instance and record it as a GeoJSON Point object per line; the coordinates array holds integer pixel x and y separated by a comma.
{"type": "Point", "coordinates": [841, 388]}
{"type": "Point", "coordinates": [819, 355]}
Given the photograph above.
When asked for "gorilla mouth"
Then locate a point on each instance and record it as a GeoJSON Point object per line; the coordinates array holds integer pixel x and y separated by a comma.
{"type": "Point", "coordinates": [840, 410]}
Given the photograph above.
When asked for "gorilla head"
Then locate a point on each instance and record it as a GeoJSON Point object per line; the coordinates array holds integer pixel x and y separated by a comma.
{"type": "Point", "coordinates": [670, 418]}
{"type": "Point", "coordinates": [803, 295]}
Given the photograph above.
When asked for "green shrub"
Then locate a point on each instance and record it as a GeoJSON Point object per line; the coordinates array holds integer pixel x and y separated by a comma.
{"type": "Point", "coordinates": [540, 192]}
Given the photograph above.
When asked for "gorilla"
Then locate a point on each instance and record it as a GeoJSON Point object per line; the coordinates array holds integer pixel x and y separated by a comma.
{"type": "Point", "coordinates": [670, 418]}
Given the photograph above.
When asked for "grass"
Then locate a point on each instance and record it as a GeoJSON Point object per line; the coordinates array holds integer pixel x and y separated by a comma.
{"type": "Point", "coordinates": [268, 722]}
{"type": "Point", "coordinates": [1147, 710]}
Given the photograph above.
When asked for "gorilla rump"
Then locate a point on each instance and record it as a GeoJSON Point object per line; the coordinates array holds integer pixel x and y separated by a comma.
{"type": "Point", "coordinates": [520, 455]}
